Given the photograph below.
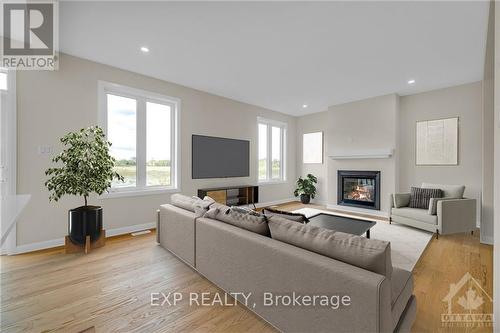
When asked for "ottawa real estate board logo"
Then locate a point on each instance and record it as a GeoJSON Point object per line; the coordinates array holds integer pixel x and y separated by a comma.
{"type": "Point", "coordinates": [29, 35]}
{"type": "Point", "coordinates": [468, 305]}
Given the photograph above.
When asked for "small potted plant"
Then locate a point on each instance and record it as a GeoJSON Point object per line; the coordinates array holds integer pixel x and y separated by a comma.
{"type": "Point", "coordinates": [305, 188]}
{"type": "Point", "coordinates": [86, 167]}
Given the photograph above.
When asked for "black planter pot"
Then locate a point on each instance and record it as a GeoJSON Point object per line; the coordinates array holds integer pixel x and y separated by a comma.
{"type": "Point", "coordinates": [305, 198]}
{"type": "Point", "coordinates": [84, 221]}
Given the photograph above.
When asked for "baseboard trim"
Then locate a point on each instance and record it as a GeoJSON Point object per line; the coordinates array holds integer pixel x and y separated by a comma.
{"type": "Point", "coordinates": [358, 210]}
{"type": "Point", "coordinates": [31, 247]}
{"type": "Point", "coordinates": [319, 202]}
{"type": "Point", "coordinates": [60, 241]}
{"type": "Point", "coordinates": [276, 202]}
{"type": "Point", "coordinates": [130, 229]}
{"type": "Point", "coordinates": [486, 240]}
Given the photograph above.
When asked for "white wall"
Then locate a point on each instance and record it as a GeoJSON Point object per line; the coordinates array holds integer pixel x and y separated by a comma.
{"type": "Point", "coordinates": [317, 122]}
{"type": "Point", "coordinates": [52, 103]}
{"type": "Point", "coordinates": [465, 102]}
{"type": "Point", "coordinates": [361, 125]}
{"type": "Point", "coordinates": [389, 122]}
{"type": "Point", "coordinates": [496, 228]}
{"type": "Point", "coordinates": [488, 121]}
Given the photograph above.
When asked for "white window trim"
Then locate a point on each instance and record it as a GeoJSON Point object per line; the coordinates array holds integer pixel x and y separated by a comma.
{"type": "Point", "coordinates": [283, 155]}
{"type": "Point", "coordinates": [142, 96]}
{"type": "Point", "coordinates": [9, 101]}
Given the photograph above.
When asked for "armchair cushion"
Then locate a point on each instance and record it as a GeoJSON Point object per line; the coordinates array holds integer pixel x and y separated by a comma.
{"type": "Point", "coordinates": [401, 200]}
{"type": "Point", "coordinates": [415, 214]}
{"type": "Point", "coordinates": [449, 191]}
{"type": "Point", "coordinates": [433, 206]}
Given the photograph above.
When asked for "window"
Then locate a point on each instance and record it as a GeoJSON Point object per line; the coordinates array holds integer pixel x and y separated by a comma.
{"type": "Point", "coordinates": [271, 154]}
{"type": "Point", "coordinates": [142, 128]}
{"type": "Point", "coordinates": [3, 80]}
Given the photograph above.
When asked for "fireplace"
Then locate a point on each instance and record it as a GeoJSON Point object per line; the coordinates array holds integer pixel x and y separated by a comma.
{"type": "Point", "coordinates": [358, 189]}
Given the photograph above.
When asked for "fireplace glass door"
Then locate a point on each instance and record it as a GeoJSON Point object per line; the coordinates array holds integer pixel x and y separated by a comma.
{"type": "Point", "coordinates": [359, 189]}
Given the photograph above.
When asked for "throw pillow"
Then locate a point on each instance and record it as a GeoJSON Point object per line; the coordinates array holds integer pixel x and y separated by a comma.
{"type": "Point", "coordinates": [216, 209]}
{"type": "Point", "coordinates": [297, 217]}
{"type": "Point", "coordinates": [201, 206]}
{"type": "Point", "coordinates": [257, 224]}
{"type": "Point", "coordinates": [371, 254]}
{"type": "Point", "coordinates": [420, 197]}
{"type": "Point", "coordinates": [245, 210]}
{"type": "Point", "coordinates": [211, 213]}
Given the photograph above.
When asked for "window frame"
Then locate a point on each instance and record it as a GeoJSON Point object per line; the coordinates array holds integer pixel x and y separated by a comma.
{"type": "Point", "coordinates": [142, 97]}
{"type": "Point", "coordinates": [283, 137]}
{"type": "Point", "coordinates": [8, 75]}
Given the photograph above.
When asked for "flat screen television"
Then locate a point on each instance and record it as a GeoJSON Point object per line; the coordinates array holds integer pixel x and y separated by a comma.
{"type": "Point", "coordinates": [215, 157]}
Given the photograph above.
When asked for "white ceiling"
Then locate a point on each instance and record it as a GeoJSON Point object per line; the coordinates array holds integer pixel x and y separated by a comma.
{"type": "Point", "coordinates": [281, 55]}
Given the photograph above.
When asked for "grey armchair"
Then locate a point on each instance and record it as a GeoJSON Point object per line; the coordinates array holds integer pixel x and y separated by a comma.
{"type": "Point", "coordinates": [447, 215]}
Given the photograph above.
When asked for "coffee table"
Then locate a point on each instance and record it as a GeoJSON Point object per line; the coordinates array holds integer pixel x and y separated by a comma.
{"type": "Point", "coordinates": [348, 225]}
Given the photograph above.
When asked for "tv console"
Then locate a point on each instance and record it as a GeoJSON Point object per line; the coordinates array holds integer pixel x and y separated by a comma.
{"type": "Point", "coordinates": [232, 195]}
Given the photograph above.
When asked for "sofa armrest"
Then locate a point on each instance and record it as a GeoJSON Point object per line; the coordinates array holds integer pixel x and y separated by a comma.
{"type": "Point", "coordinates": [177, 232]}
{"type": "Point", "coordinates": [433, 204]}
{"type": "Point", "coordinates": [456, 215]}
{"type": "Point", "coordinates": [401, 200]}
{"type": "Point", "coordinates": [391, 203]}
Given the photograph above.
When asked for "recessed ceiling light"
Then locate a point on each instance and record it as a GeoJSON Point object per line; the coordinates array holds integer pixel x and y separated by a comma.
{"type": "Point", "coordinates": [412, 81]}
{"type": "Point", "coordinates": [144, 49]}
{"type": "Point", "coordinates": [304, 106]}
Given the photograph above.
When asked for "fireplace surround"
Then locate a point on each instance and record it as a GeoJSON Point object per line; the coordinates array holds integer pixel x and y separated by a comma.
{"type": "Point", "coordinates": [358, 189]}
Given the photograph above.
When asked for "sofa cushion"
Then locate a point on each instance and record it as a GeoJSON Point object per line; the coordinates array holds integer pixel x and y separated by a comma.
{"type": "Point", "coordinates": [183, 201]}
{"type": "Point", "coordinates": [401, 291]}
{"type": "Point", "coordinates": [449, 191]}
{"type": "Point", "coordinates": [401, 199]}
{"type": "Point", "coordinates": [251, 222]}
{"type": "Point", "coordinates": [419, 197]}
{"type": "Point", "coordinates": [193, 204]}
{"type": "Point", "coordinates": [370, 254]}
{"type": "Point", "coordinates": [415, 214]}
{"type": "Point", "coordinates": [297, 217]}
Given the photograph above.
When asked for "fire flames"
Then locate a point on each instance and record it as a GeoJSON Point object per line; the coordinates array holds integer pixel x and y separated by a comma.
{"type": "Point", "coordinates": [360, 193]}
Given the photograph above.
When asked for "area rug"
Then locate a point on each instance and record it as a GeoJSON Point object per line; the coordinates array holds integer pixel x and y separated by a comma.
{"type": "Point", "coordinates": [407, 243]}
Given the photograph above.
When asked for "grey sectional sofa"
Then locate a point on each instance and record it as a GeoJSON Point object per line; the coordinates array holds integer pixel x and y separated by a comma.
{"type": "Point", "coordinates": [239, 260]}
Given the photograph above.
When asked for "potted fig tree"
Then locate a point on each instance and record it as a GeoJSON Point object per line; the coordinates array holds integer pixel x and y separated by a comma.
{"type": "Point", "coordinates": [305, 188]}
{"type": "Point", "coordinates": [84, 167]}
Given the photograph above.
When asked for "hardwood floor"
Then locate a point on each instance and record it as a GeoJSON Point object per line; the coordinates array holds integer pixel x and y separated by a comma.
{"type": "Point", "coordinates": [445, 261]}
{"type": "Point", "coordinates": [109, 290]}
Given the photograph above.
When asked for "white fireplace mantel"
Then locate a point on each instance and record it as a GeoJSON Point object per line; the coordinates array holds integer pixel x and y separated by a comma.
{"type": "Point", "coordinates": [360, 154]}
